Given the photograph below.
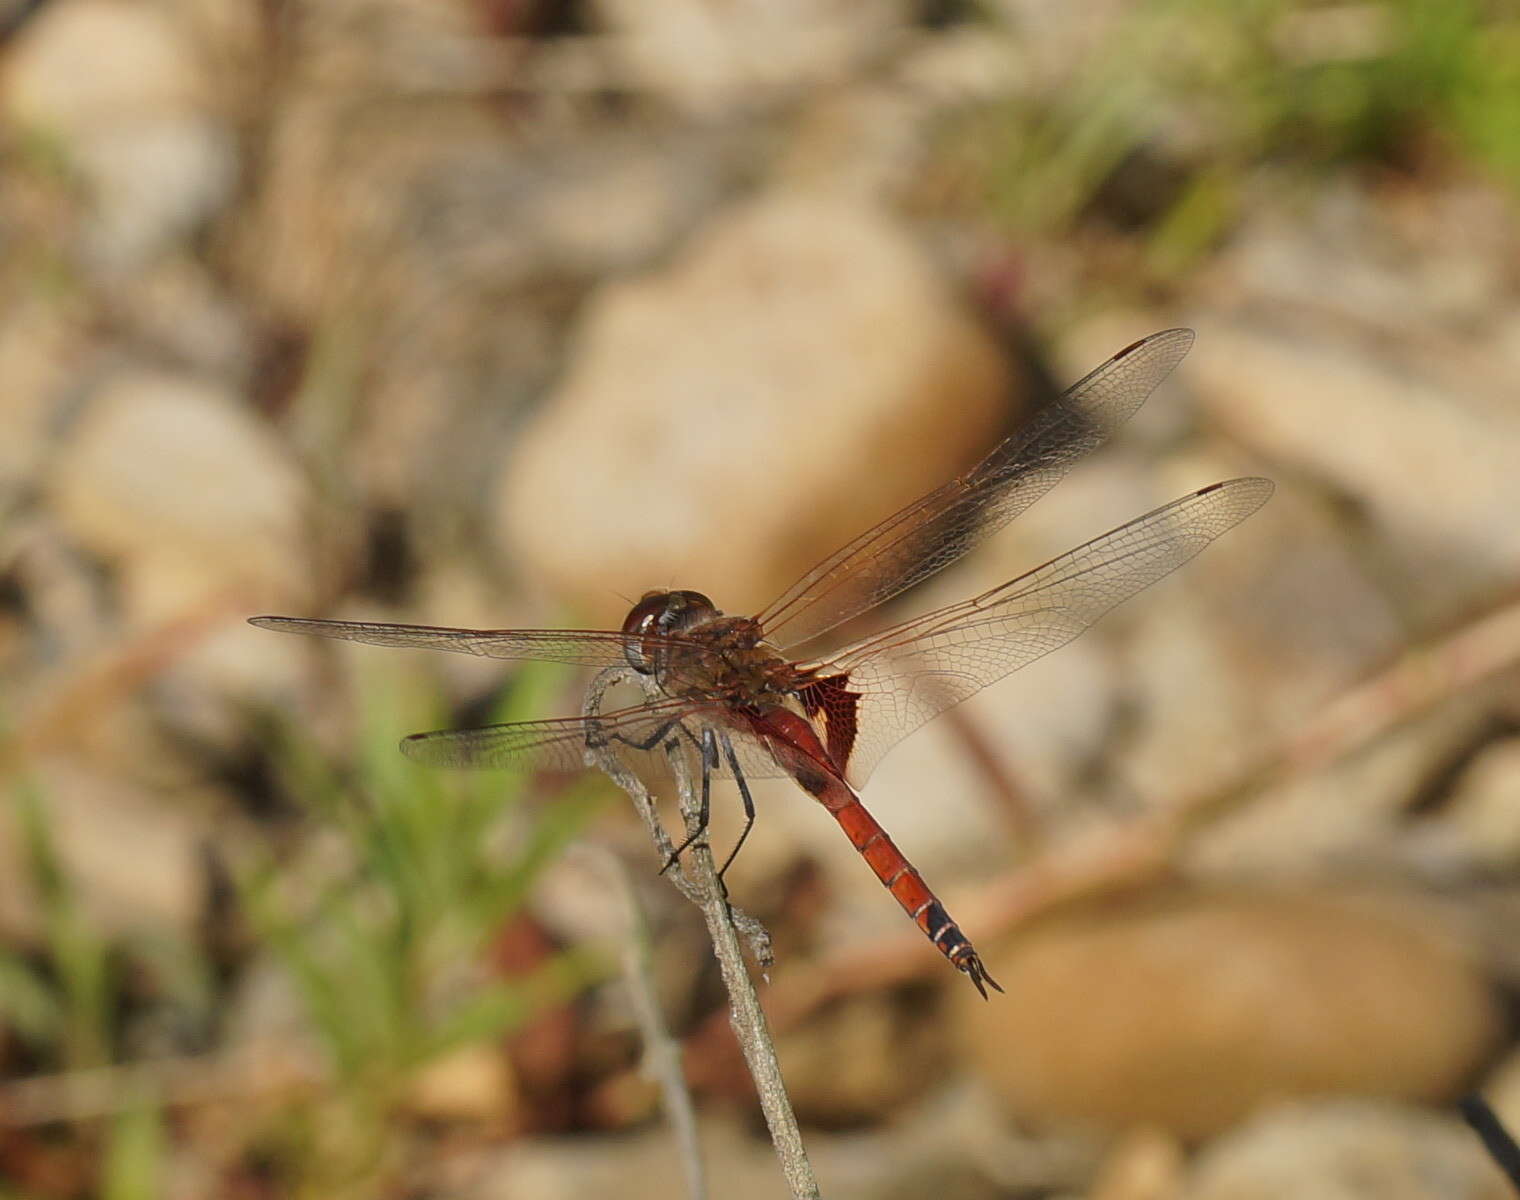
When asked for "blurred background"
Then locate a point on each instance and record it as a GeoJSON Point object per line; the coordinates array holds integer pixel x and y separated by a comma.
{"type": "Point", "coordinates": [500, 312]}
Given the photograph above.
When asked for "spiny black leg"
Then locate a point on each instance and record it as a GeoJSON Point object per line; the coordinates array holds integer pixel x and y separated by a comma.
{"type": "Point", "coordinates": [748, 800]}
{"type": "Point", "coordinates": [649, 743]}
{"type": "Point", "coordinates": [709, 761]}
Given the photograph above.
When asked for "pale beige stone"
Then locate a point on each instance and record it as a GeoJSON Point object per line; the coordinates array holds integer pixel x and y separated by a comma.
{"type": "Point", "coordinates": [131, 860]}
{"type": "Point", "coordinates": [170, 479]}
{"type": "Point", "coordinates": [1347, 1150]}
{"type": "Point", "coordinates": [474, 1083]}
{"type": "Point", "coordinates": [1190, 1011]}
{"type": "Point", "coordinates": [798, 373]}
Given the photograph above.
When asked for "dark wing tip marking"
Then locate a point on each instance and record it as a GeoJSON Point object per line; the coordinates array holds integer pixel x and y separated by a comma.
{"type": "Point", "coordinates": [292, 624]}
{"type": "Point", "coordinates": [1255, 487]}
{"type": "Point", "coordinates": [443, 748]}
{"type": "Point", "coordinates": [1180, 334]}
{"type": "Point", "coordinates": [1254, 490]}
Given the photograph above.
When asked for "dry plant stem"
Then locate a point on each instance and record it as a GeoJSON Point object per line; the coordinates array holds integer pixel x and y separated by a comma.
{"type": "Point", "coordinates": [697, 880]}
{"type": "Point", "coordinates": [610, 765]}
{"type": "Point", "coordinates": [662, 1054]}
{"type": "Point", "coordinates": [745, 1013]}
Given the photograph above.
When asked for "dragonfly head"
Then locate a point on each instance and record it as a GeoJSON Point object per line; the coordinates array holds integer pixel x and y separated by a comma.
{"type": "Point", "coordinates": [663, 613]}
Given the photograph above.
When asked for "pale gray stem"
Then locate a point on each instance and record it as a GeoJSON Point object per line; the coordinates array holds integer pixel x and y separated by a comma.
{"type": "Point", "coordinates": [662, 1053]}
{"type": "Point", "coordinates": [604, 759]}
{"type": "Point", "coordinates": [697, 880]}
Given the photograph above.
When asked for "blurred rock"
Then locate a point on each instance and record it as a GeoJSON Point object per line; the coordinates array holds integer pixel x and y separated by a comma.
{"type": "Point", "coordinates": [117, 85]}
{"type": "Point", "coordinates": [1251, 641]}
{"type": "Point", "coordinates": [1495, 912]}
{"type": "Point", "coordinates": [78, 62]}
{"type": "Point", "coordinates": [39, 343]}
{"type": "Point", "coordinates": [899, 1164]}
{"type": "Point", "coordinates": [1484, 807]}
{"type": "Point", "coordinates": [1199, 716]}
{"type": "Point", "coordinates": [1347, 1151]}
{"type": "Point", "coordinates": [1386, 439]}
{"type": "Point", "coordinates": [1146, 1164]}
{"type": "Point", "coordinates": [1404, 261]}
{"type": "Point", "coordinates": [154, 183]}
{"type": "Point", "coordinates": [200, 512]}
{"type": "Point", "coordinates": [797, 373]}
{"type": "Point", "coordinates": [265, 1005]}
{"type": "Point", "coordinates": [644, 1165]}
{"type": "Point", "coordinates": [170, 481]}
{"type": "Point", "coordinates": [1050, 38]}
{"type": "Point", "coordinates": [862, 142]}
{"type": "Point", "coordinates": [962, 1126]}
{"type": "Point", "coordinates": [1347, 815]}
{"type": "Point", "coordinates": [952, 1145]}
{"type": "Point", "coordinates": [974, 63]}
{"type": "Point", "coordinates": [441, 253]}
{"type": "Point", "coordinates": [542, 211]}
{"type": "Point", "coordinates": [1049, 722]}
{"type": "Point", "coordinates": [472, 1084]}
{"type": "Point", "coordinates": [131, 859]}
{"type": "Point", "coordinates": [1502, 1090]}
{"type": "Point", "coordinates": [1190, 1010]}
{"type": "Point", "coordinates": [855, 1062]}
{"type": "Point", "coordinates": [1268, 623]}
{"type": "Point", "coordinates": [709, 61]}
{"type": "Point", "coordinates": [179, 307]}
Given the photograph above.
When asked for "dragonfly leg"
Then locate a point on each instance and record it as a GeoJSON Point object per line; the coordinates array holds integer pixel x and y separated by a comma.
{"type": "Point", "coordinates": [744, 796]}
{"type": "Point", "coordinates": [709, 748]}
{"type": "Point", "coordinates": [651, 741]}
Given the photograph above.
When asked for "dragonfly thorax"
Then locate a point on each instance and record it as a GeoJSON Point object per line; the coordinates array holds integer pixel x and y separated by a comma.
{"type": "Point", "coordinates": [663, 614]}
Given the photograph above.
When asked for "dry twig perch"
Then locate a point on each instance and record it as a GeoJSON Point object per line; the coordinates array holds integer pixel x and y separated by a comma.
{"type": "Point", "coordinates": [697, 879]}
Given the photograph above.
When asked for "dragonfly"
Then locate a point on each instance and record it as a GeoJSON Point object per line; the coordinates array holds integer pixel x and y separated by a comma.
{"type": "Point", "coordinates": [753, 697]}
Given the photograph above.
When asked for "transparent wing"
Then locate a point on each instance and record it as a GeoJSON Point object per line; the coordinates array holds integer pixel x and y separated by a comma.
{"type": "Point", "coordinates": [874, 693]}
{"type": "Point", "coordinates": [637, 735]}
{"type": "Point", "coordinates": [579, 647]}
{"type": "Point", "coordinates": [939, 527]}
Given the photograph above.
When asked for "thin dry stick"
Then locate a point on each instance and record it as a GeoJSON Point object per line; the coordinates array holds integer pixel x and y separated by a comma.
{"type": "Point", "coordinates": [662, 1053]}
{"type": "Point", "coordinates": [699, 883]}
{"type": "Point", "coordinates": [610, 765]}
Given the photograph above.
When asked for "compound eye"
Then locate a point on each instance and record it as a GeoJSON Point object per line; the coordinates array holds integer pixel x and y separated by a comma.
{"type": "Point", "coordinates": [691, 608]}
{"type": "Point", "coordinates": [650, 615]}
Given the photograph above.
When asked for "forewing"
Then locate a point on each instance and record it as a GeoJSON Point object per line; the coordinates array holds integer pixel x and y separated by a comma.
{"type": "Point", "coordinates": [939, 527]}
{"type": "Point", "coordinates": [876, 692]}
{"type": "Point", "coordinates": [579, 647]}
{"type": "Point", "coordinates": [637, 734]}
